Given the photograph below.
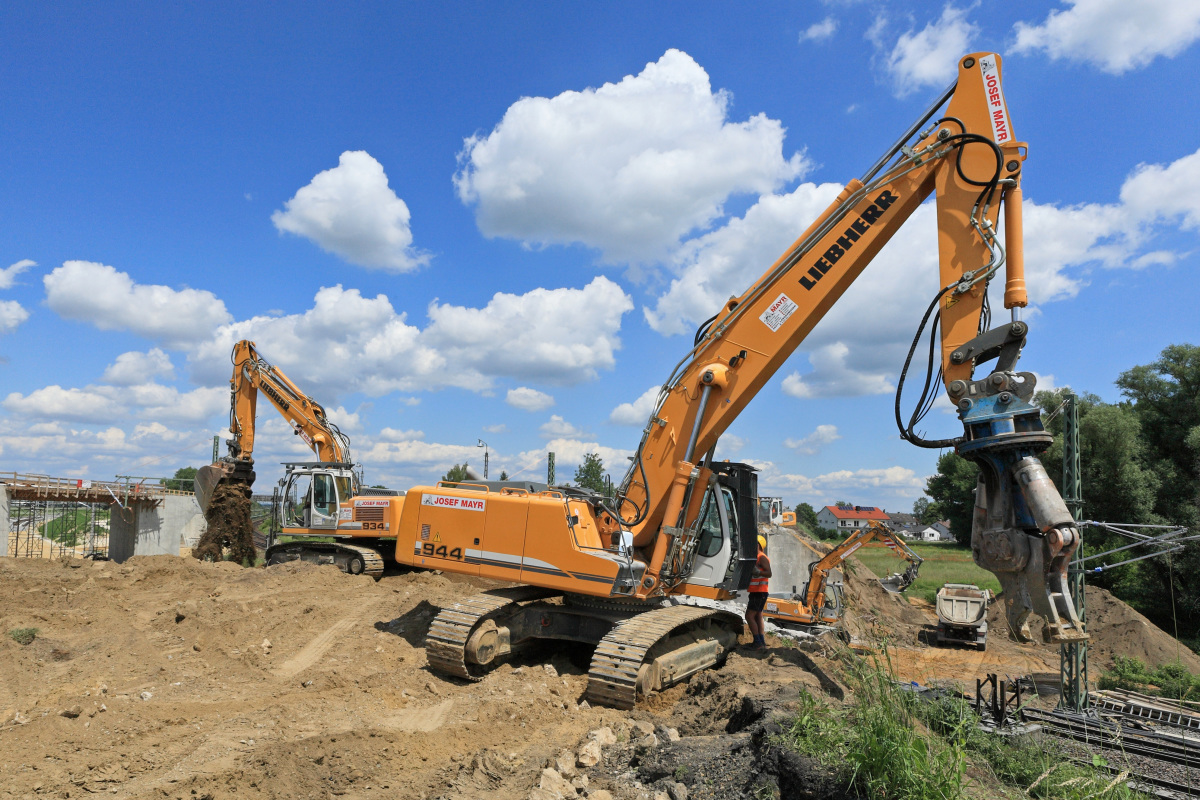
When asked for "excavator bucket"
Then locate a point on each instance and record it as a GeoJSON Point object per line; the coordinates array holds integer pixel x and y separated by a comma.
{"type": "Point", "coordinates": [207, 480]}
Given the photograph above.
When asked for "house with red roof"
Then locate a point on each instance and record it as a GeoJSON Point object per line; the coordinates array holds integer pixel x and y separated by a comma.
{"type": "Point", "coordinates": [847, 518]}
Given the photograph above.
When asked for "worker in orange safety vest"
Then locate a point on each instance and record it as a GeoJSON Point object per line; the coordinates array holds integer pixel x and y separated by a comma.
{"type": "Point", "coordinates": [758, 596]}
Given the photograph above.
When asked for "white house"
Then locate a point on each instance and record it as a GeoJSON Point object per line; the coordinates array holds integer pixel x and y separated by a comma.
{"type": "Point", "coordinates": [937, 532]}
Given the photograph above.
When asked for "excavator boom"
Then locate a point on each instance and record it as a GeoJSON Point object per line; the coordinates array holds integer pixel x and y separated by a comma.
{"type": "Point", "coordinates": [969, 158]}
{"type": "Point", "coordinates": [252, 375]}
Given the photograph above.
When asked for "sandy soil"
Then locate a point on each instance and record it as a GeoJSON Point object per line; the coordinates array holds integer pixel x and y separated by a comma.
{"type": "Point", "coordinates": [166, 677]}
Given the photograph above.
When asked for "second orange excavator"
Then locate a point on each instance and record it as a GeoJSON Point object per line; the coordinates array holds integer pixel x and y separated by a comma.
{"type": "Point", "coordinates": [819, 601]}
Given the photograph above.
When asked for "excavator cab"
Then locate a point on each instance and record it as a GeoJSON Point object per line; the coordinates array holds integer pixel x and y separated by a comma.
{"type": "Point", "coordinates": [315, 494]}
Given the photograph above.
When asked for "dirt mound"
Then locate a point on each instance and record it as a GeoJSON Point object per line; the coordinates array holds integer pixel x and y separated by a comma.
{"type": "Point", "coordinates": [228, 526]}
{"type": "Point", "coordinates": [873, 613]}
{"type": "Point", "coordinates": [1116, 630]}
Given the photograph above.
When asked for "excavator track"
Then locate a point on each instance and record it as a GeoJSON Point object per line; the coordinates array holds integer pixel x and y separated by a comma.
{"type": "Point", "coordinates": [346, 557]}
{"type": "Point", "coordinates": [612, 678]}
{"type": "Point", "coordinates": [446, 642]}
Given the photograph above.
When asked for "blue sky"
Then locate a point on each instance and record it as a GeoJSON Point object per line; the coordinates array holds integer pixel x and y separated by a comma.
{"type": "Point", "coordinates": [452, 222]}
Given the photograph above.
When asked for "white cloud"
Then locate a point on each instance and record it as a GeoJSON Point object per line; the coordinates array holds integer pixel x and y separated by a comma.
{"type": "Point", "coordinates": [570, 452]}
{"type": "Point", "coordinates": [637, 412]}
{"type": "Point", "coordinates": [833, 377]}
{"type": "Point", "coordinates": [859, 345]}
{"type": "Point", "coordinates": [558, 335]}
{"type": "Point", "coordinates": [864, 486]}
{"type": "Point", "coordinates": [929, 57]}
{"type": "Point", "coordinates": [394, 435]}
{"type": "Point", "coordinates": [811, 445]}
{"type": "Point", "coordinates": [724, 262]}
{"type": "Point", "coordinates": [819, 31]}
{"type": "Point", "coordinates": [12, 314]}
{"type": "Point", "coordinates": [159, 432]}
{"type": "Point", "coordinates": [8, 275]}
{"type": "Point", "coordinates": [156, 402]}
{"type": "Point", "coordinates": [416, 452]}
{"type": "Point", "coordinates": [501, 428]}
{"type": "Point", "coordinates": [351, 211]}
{"type": "Point", "coordinates": [110, 300]}
{"type": "Point", "coordinates": [528, 399]}
{"type": "Point", "coordinates": [558, 428]}
{"type": "Point", "coordinates": [1156, 192]}
{"type": "Point", "coordinates": [56, 403]}
{"type": "Point", "coordinates": [1114, 35]}
{"type": "Point", "coordinates": [628, 168]}
{"type": "Point", "coordinates": [136, 367]}
{"type": "Point", "coordinates": [347, 421]}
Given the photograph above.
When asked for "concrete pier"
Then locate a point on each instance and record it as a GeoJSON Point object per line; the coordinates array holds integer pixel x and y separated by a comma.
{"type": "Point", "coordinates": [171, 528]}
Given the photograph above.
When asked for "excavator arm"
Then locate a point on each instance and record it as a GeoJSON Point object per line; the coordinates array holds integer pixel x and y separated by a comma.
{"type": "Point", "coordinates": [876, 533]}
{"type": "Point", "coordinates": [969, 159]}
{"type": "Point", "coordinates": [252, 375]}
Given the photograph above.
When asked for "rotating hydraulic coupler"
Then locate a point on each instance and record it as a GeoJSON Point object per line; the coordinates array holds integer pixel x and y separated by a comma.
{"type": "Point", "coordinates": [1021, 529]}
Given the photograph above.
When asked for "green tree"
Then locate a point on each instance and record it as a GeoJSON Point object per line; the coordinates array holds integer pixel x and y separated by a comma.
{"type": "Point", "coordinates": [182, 480]}
{"type": "Point", "coordinates": [951, 491]}
{"type": "Point", "coordinates": [503, 475]}
{"type": "Point", "coordinates": [806, 515]}
{"type": "Point", "coordinates": [925, 511]}
{"type": "Point", "coordinates": [456, 474]}
{"type": "Point", "coordinates": [590, 474]}
{"type": "Point", "coordinates": [844, 504]}
{"type": "Point", "coordinates": [1166, 399]}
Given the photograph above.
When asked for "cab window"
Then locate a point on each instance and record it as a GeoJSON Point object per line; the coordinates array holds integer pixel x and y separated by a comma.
{"type": "Point", "coordinates": [710, 524]}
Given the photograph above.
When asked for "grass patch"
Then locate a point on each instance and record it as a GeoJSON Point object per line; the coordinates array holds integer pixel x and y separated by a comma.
{"type": "Point", "coordinates": [890, 745]}
{"type": "Point", "coordinates": [23, 635]}
{"type": "Point", "coordinates": [944, 563]}
{"type": "Point", "coordinates": [1023, 763]}
{"type": "Point", "coordinates": [1166, 680]}
{"type": "Point", "coordinates": [71, 527]}
{"type": "Point", "coordinates": [877, 743]}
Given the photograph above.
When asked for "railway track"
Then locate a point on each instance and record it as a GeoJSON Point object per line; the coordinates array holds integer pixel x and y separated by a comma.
{"type": "Point", "coordinates": [1162, 765]}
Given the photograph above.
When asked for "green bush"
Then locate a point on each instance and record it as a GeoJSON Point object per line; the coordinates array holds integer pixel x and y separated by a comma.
{"type": "Point", "coordinates": [23, 635]}
{"type": "Point", "coordinates": [1166, 680]}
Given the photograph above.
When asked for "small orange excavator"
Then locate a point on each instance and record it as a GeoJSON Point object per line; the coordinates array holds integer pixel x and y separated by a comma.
{"type": "Point", "coordinates": [819, 601]}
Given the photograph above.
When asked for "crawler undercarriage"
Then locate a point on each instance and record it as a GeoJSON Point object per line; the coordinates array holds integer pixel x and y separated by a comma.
{"type": "Point", "coordinates": [641, 648]}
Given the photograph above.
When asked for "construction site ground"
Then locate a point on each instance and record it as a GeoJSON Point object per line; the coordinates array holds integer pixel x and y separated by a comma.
{"type": "Point", "coordinates": [167, 677]}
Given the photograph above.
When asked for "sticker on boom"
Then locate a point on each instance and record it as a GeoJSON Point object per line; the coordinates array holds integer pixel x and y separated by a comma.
{"type": "Point", "coordinates": [778, 312]}
{"type": "Point", "coordinates": [445, 501]}
{"type": "Point", "coordinates": [997, 110]}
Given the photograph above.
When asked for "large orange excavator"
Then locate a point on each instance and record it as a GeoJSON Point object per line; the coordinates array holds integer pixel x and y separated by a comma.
{"type": "Point", "coordinates": [813, 604]}
{"type": "Point", "coordinates": [603, 571]}
{"type": "Point", "coordinates": [316, 491]}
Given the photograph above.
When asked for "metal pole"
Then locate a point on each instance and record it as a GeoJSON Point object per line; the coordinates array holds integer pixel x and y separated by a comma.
{"type": "Point", "coordinates": [550, 469]}
{"type": "Point", "coordinates": [216, 448]}
{"type": "Point", "coordinates": [1073, 656]}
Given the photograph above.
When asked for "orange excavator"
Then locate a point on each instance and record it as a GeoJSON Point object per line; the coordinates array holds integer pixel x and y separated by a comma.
{"type": "Point", "coordinates": [820, 602]}
{"type": "Point", "coordinates": [316, 492]}
{"type": "Point", "coordinates": [603, 571]}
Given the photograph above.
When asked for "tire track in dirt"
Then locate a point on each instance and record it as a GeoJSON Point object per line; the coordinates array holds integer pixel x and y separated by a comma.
{"type": "Point", "coordinates": [312, 652]}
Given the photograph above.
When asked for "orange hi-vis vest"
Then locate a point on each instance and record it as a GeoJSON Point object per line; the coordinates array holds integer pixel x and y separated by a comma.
{"type": "Point", "coordinates": [759, 582]}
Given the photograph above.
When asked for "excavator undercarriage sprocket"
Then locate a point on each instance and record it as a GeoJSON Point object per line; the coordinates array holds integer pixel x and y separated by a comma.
{"type": "Point", "coordinates": [656, 649]}
{"type": "Point", "coordinates": [348, 558]}
{"type": "Point", "coordinates": [446, 642]}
